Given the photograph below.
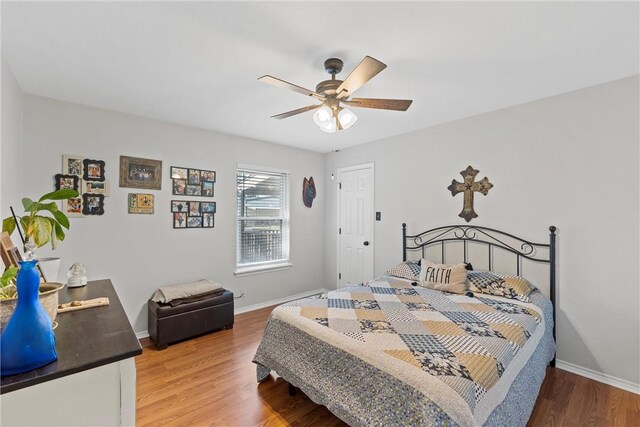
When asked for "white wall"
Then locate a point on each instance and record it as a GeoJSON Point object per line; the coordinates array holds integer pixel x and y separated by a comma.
{"type": "Point", "coordinates": [570, 161]}
{"type": "Point", "coordinates": [11, 146]}
{"type": "Point", "coordinates": [142, 252]}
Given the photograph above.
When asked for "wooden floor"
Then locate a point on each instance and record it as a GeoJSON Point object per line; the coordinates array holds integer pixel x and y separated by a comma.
{"type": "Point", "coordinates": [210, 380]}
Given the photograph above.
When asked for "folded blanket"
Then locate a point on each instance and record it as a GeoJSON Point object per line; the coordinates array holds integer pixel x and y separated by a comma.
{"type": "Point", "coordinates": [184, 290]}
{"type": "Point", "coordinates": [196, 298]}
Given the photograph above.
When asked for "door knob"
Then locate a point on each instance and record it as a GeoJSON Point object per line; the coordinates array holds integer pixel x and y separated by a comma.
{"type": "Point", "coordinates": [366, 243]}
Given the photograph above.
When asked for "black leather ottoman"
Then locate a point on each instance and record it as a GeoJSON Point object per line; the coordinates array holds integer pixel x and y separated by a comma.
{"type": "Point", "coordinates": [169, 324]}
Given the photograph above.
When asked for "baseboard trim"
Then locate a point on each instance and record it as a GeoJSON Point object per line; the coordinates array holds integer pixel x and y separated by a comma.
{"type": "Point", "coordinates": [252, 307]}
{"type": "Point", "coordinates": [258, 306]}
{"type": "Point", "coordinates": [598, 376]}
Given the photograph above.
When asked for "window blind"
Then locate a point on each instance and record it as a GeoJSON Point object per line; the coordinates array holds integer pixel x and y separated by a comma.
{"type": "Point", "coordinates": [263, 217]}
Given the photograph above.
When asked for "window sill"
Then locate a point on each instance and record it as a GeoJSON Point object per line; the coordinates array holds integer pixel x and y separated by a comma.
{"type": "Point", "coordinates": [259, 269]}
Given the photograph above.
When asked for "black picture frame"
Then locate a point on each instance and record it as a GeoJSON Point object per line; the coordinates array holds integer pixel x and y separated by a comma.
{"type": "Point", "coordinates": [190, 214]}
{"type": "Point", "coordinates": [179, 220]}
{"type": "Point", "coordinates": [89, 206]}
{"type": "Point", "coordinates": [179, 206]}
{"type": "Point", "coordinates": [192, 181]}
{"type": "Point", "coordinates": [60, 176]}
{"type": "Point", "coordinates": [208, 220]}
{"type": "Point", "coordinates": [207, 175]}
{"type": "Point", "coordinates": [89, 172]}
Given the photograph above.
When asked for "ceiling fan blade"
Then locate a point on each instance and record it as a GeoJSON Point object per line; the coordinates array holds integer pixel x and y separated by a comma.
{"type": "Point", "coordinates": [286, 85]}
{"type": "Point", "coordinates": [367, 69]}
{"type": "Point", "coordinates": [381, 104]}
{"type": "Point", "coordinates": [294, 112]}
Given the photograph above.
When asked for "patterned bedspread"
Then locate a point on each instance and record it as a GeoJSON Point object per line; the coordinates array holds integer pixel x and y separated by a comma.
{"type": "Point", "coordinates": [451, 358]}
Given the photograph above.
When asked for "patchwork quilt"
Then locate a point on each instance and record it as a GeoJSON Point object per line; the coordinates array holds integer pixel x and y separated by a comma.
{"type": "Point", "coordinates": [451, 358]}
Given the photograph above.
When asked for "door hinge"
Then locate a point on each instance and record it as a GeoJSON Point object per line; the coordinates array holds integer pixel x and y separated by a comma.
{"type": "Point", "coordinates": [339, 230]}
{"type": "Point", "coordinates": [340, 185]}
{"type": "Point", "coordinates": [339, 276]}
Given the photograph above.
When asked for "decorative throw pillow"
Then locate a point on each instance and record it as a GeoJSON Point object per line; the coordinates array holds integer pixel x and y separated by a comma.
{"type": "Point", "coordinates": [444, 277]}
{"type": "Point", "coordinates": [406, 270]}
{"type": "Point", "coordinates": [502, 285]}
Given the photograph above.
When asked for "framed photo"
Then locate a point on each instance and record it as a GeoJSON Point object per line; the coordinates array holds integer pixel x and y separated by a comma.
{"type": "Point", "coordinates": [67, 182]}
{"type": "Point", "coordinates": [180, 187]}
{"type": "Point", "coordinates": [178, 173]}
{"type": "Point", "coordinates": [208, 207]}
{"type": "Point", "coordinates": [194, 190]}
{"type": "Point", "coordinates": [72, 165]}
{"type": "Point", "coordinates": [194, 176]}
{"type": "Point", "coordinates": [179, 206]}
{"type": "Point", "coordinates": [179, 220]}
{"type": "Point", "coordinates": [93, 204]}
{"type": "Point", "coordinates": [140, 203]}
{"type": "Point", "coordinates": [208, 220]}
{"type": "Point", "coordinates": [93, 170]}
{"type": "Point", "coordinates": [95, 187]}
{"type": "Point", "coordinates": [194, 222]}
{"type": "Point", "coordinates": [207, 176]}
{"type": "Point", "coordinates": [194, 209]}
{"type": "Point", "coordinates": [73, 207]}
{"type": "Point", "coordinates": [140, 173]}
{"type": "Point", "coordinates": [207, 188]}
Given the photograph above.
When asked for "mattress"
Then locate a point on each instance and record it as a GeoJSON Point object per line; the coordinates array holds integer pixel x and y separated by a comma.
{"type": "Point", "coordinates": [389, 353]}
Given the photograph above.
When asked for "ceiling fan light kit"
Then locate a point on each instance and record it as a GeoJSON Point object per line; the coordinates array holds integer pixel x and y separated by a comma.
{"type": "Point", "coordinates": [331, 115]}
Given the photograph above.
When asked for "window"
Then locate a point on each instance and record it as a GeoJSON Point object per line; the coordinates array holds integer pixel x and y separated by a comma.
{"type": "Point", "coordinates": [263, 219]}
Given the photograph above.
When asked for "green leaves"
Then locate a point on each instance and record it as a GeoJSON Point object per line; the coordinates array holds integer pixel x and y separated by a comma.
{"type": "Point", "coordinates": [8, 224]}
{"type": "Point", "coordinates": [8, 275]}
{"type": "Point", "coordinates": [43, 229]}
{"type": "Point", "coordinates": [59, 195]}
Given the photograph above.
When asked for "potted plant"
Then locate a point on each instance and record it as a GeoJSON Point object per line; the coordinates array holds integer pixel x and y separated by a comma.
{"type": "Point", "coordinates": [39, 230]}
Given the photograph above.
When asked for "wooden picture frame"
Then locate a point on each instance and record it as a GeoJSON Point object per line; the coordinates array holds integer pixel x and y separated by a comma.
{"type": "Point", "coordinates": [93, 204]}
{"type": "Point", "coordinates": [8, 252]}
{"type": "Point", "coordinates": [71, 182]}
{"type": "Point", "coordinates": [136, 172]}
{"type": "Point", "coordinates": [93, 170]}
{"type": "Point", "coordinates": [73, 165]}
{"type": "Point", "coordinates": [140, 203]}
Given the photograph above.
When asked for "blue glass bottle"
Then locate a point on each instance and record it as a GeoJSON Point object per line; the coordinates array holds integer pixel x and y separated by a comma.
{"type": "Point", "coordinates": [27, 341]}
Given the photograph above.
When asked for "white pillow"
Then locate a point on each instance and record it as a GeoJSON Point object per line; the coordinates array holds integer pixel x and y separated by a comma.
{"type": "Point", "coordinates": [444, 277]}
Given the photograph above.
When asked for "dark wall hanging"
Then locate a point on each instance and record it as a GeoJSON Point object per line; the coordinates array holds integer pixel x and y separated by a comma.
{"type": "Point", "coordinates": [308, 191]}
{"type": "Point", "coordinates": [468, 187]}
{"type": "Point", "coordinates": [192, 182]}
{"type": "Point", "coordinates": [140, 173]}
{"type": "Point", "coordinates": [92, 204]}
{"type": "Point", "coordinates": [193, 214]}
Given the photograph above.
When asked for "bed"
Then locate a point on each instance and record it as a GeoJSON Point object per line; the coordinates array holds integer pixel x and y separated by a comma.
{"type": "Point", "coordinates": [388, 352]}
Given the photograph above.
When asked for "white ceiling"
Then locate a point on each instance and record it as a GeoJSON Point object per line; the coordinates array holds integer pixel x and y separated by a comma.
{"type": "Point", "coordinates": [197, 63]}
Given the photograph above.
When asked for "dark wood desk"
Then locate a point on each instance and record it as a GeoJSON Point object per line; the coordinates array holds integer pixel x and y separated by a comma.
{"type": "Point", "coordinates": [85, 339]}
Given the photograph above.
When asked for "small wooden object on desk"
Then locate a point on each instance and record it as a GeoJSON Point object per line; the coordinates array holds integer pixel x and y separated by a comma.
{"type": "Point", "coordinates": [80, 305]}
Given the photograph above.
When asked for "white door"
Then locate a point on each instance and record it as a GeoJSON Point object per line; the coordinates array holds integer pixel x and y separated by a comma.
{"type": "Point", "coordinates": [355, 224]}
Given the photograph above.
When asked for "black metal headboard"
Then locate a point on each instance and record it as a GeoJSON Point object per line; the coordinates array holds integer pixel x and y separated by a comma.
{"type": "Point", "coordinates": [521, 248]}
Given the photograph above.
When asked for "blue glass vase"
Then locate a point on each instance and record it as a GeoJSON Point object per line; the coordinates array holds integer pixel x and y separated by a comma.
{"type": "Point", "coordinates": [27, 341]}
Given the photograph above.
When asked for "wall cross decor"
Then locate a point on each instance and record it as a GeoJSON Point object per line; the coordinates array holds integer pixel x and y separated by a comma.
{"type": "Point", "coordinates": [468, 186]}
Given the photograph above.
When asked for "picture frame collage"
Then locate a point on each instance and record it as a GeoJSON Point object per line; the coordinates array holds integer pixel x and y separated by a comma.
{"type": "Point", "coordinates": [193, 214]}
{"type": "Point", "coordinates": [193, 182]}
{"type": "Point", "coordinates": [87, 177]}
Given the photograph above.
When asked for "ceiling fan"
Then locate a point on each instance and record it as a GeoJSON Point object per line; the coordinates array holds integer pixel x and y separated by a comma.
{"type": "Point", "coordinates": [333, 94]}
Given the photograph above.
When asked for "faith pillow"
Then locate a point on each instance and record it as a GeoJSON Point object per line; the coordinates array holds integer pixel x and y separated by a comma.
{"type": "Point", "coordinates": [444, 277]}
